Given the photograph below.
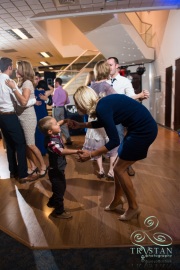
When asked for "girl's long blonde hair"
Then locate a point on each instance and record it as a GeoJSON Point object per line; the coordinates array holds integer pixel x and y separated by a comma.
{"type": "Point", "coordinates": [26, 72]}
{"type": "Point", "coordinates": [90, 78]}
{"type": "Point", "coordinates": [86, 99]}
{"type": "Point", "coordinates": [101, 70]}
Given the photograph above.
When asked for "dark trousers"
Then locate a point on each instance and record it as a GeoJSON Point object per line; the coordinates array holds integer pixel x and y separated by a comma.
{"type": "Point", "coordinates": [58, 182]}
{"type": "Point", "coordinates": [15, 144]}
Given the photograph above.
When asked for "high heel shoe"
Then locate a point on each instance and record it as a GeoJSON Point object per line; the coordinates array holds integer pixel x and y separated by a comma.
{"type": "Point", "coordinates": [130, 214]}
{"type": "Point", "coordinates": [36, 170]}
{"type": "Point", "coordinates": [45, 171]}
{"type": "Point", "coordinates": [112, 206]}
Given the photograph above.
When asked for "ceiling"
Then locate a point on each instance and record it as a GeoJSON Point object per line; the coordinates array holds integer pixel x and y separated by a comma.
{"type": "Point", "coordinates": [26, 13]}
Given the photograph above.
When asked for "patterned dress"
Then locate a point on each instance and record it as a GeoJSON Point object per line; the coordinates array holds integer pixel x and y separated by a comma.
{"type": "Point", "coordinates": [96, 138]}
{"type": "Point", "coordinates": [27, 116]}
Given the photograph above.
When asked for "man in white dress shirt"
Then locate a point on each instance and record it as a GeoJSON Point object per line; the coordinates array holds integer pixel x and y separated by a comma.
{"type": "Point", "coordinates": [122, 85]}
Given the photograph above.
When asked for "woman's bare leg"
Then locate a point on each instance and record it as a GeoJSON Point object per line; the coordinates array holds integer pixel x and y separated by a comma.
{"type": "Point", "coordinates": [118, 198]}
{"type": "Point", "coordinates": [30, 158]}
{"type": "Point", "coordinates": [100, 165]}
{"type": "Point", "coordinates": [111, 165]}
{"type": "Point", "coordinates": [39, 157]}
{"type": "Point", "coordinates": [120, 170]}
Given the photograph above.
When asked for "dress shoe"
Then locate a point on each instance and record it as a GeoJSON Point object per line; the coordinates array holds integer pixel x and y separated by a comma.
{"type": "Point", "coordinates": [113, 205]}
{"type": "Point", "coordinates": [130, 214]}
{"type": "Point", "coordinates": [29, 178]}
{"type": "Point", "coordinates": [130, 171]}
{"type": "Point", "coordinates": [14, 175]}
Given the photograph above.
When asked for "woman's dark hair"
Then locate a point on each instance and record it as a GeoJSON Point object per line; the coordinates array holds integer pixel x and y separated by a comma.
{"type": "Point", "coordinates": [42, 84]}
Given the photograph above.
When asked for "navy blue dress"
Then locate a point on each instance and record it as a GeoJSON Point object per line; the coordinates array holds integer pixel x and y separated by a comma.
{"type": "Point", "coordinates": [141, 127]}
{"type": "Point", "coordinates": [41, 112]}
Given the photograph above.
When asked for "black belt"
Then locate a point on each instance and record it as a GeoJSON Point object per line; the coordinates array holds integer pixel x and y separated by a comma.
{"type": "Point", "coordinates": [58, 106]}
{"type": "Point", "coordinates": [7, 112]}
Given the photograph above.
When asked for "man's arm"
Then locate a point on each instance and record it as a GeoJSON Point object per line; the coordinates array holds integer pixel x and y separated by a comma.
{"type": "Point", "coordinates": [129, 91]}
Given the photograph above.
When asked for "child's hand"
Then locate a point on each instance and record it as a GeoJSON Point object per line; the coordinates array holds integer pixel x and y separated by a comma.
{"type": "Point", "coordinates": [79, 151]}
{"type": "Point", "coordinates": [73, 124]}
{"type": "Point", "coordinates": [84, 156]}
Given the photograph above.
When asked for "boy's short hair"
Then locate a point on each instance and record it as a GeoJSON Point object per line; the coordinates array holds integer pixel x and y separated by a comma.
{"type": "Point", "coordinates": [45, 124]}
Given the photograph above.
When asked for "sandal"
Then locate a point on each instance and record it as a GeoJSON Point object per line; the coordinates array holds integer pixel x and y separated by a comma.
{"type": "Point", "coordinates": [45, 171]}
{"type": "Point", "coordinates": [110, 176]}
{"type": "Point", "coordinates": [36, 170]}
{"type": "Point", "coordinates": [101, 174]}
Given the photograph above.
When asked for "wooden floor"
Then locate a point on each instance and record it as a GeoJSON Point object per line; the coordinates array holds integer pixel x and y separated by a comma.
{"type": "Point", "coordinates": [25, 216]}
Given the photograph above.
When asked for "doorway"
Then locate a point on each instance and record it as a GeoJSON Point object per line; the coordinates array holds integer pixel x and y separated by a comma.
{"type": "Point", "coordinates": [177, 96]}
{"type": "Point", "coordinates": [168, 97]}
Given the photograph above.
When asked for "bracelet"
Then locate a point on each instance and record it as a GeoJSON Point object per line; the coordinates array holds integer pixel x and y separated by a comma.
{"type": "Point", "coordinates": [14, 89]}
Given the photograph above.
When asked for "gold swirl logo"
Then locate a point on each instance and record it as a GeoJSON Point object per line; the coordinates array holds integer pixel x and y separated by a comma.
{"type": "Point", "coordinates": [158, 238]}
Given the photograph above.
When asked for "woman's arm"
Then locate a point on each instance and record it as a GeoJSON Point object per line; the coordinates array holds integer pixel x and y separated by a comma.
{"type": "Point", "coordinates": [23, 97]}
{"type": "Point", "coordinates": [66, 151]}
{"type": "Point", "coordinates": [143, 95]}
{"type": "Point", "coordinates": [75, 125]}
{"type": "Point", "coordinates": [85, 155]}
{"type": "Point", "coordinates": [49, 92]}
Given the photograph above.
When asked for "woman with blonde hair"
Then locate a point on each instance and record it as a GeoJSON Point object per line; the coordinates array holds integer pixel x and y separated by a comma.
{"type": "Point", "coordinates": [141, 132]}
{"type": "Point", "coordinates": [23, 92]}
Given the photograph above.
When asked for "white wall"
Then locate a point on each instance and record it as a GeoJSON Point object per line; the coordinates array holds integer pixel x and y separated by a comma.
{"type": "Point", "coordinates": [167, 44]}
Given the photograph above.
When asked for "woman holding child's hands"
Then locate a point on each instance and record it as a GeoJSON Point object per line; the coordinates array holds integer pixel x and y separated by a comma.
{"type": "Point", "coordinates": [141, 132]}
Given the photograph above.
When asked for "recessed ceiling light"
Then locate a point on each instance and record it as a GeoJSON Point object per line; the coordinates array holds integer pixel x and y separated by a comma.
{"type": "Point", "coordinates": [19, 33]}
{"type": "Point", "coordinates": [51, 68]}
{"type": "Point", "coordinates": [44, 63]}
{"type": "Point", "coordinates": [107, 1]}
{"type": "Point", "coordinates": [45, 54]}
{"type": "Point", "coordinates": [65, 2]}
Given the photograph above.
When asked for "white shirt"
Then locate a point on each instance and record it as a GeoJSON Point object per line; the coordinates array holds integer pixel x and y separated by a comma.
{"type": "Point", "coordinates": [6, 102]}
{"type": "Point", "coordinates": [7, 97]}
{"type": "Point", "coordinates": [122, 86]}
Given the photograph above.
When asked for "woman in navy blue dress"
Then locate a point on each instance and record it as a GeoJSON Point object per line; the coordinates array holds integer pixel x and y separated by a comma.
{"type": "Point", "coordinates": [41, 112]}
{"type": "Point", "coordinates": [141, 132]}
